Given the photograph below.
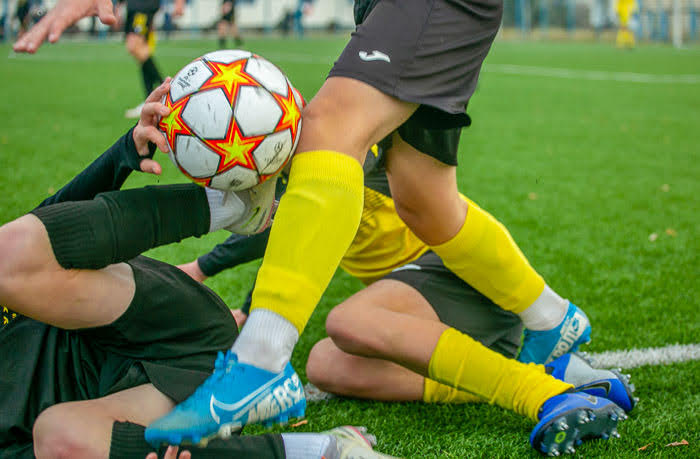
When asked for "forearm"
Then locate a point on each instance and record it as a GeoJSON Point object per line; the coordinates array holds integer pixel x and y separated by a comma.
{"type": "Point", "coordinates": [232, 252]}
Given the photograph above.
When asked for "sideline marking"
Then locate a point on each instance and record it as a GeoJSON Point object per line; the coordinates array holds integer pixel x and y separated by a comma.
{"type": "Point", "coordinates": [634, 358]}
{"type": "Point", "coordinates": [595, 75]}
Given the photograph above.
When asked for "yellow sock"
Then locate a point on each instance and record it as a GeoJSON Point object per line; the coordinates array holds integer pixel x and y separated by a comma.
{"type": "Point", "coordinates": [485, 256]}
{"type": "Point", "coordinates": [462, 362]}
{"type": "Point", "coordinates": [316, 221]}
{"type": "Point", "coordinates": [435, 392]}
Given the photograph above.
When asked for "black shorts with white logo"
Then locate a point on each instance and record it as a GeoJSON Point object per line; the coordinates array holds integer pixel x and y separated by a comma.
{"type": "Point", "coordinates": [168, 336]}
{"type": "Point", "coordinates": [427, 52]}
{"type": "Point", "coordinates": [460, 306]}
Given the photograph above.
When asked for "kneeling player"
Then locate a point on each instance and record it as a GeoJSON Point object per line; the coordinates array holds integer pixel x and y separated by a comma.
{"type": "Point", "coordinates": [92, 355]}
{"type": "Point", "coordinates": [414, 312]}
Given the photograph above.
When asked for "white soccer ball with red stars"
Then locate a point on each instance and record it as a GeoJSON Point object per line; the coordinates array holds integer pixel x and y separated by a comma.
{"type": "Point", "coordinates": [234, 122]}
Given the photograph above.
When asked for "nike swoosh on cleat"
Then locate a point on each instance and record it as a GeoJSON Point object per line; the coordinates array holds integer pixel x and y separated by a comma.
{"type": "Point", "coordinates": [374, 56]}
{"type": "Point", "coordinates": [213, 402]}
{"type": "Point", "coordinates": [605, 385]}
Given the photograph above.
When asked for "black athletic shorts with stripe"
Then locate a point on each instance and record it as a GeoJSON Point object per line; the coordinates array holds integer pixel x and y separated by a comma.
{"type": "Point", "coordinates": [460, 306]}
{"type": "Point", "coordinates": [427, 52]}
{"type": "Point", "coordinates": [168, 336]}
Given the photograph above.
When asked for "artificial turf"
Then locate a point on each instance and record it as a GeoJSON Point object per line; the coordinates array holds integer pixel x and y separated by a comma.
{"type": "Point", "coordinates": [583, 171]}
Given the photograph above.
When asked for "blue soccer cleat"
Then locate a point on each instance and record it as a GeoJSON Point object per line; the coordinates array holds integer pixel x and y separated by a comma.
{"type": "Point", "coordinates": [235, 395]}
{"type": "Point", "coordinates": [546, 345]}
{"type": "Point", "coordinates": [568, 419]}
{"type": "Point", "coordinates": [611, 384]}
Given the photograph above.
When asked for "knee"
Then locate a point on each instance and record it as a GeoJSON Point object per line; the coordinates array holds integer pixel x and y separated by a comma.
{"type": "Point", "coordinates": [318, 370]}
{"type": "Point", "coordinates": [332, 370]}
{"type": "Point", "coordinates": [55, 436]}
{"type": "Point", "coordinates": [349, 332]}
{"type": "Point", "coordinates": [137, 46]}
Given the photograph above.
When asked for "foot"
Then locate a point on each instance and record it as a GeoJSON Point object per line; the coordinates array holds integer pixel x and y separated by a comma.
{"type": "Point", "coordinates": [568, 419]}
{"type": "Point", "coordinates": [543, 346]}
{"type": "Point", "coordinates": [134, 112]}
{"type": "Point", "coordinates": [355, 443]}
{"type": "Point", "coordinates": [235, 395]}
{"type": "Point", "coordinates": [611, 384]}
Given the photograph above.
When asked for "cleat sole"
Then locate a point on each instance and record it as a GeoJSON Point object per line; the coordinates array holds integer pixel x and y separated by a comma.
{"type": "Point", "coordinates": [553, 441]}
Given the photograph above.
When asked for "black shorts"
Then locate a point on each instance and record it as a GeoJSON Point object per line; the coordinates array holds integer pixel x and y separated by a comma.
{"type": "Point", "coordinates": [460, 306]}
{"type": "Point", "coordinates": [229, 15]}
{"type": "Point", "coordinates": [23, 12]}
{"type": "Point", "coordinates": [139, 22]}
{"type": "Point", "coordinates": [169, 336]}
{"type": "Point", "coordinates": [427, 52]}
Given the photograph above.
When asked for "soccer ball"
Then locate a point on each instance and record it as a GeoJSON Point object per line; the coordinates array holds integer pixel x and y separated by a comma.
{"type": "Point", "coordinates": [234, 122]}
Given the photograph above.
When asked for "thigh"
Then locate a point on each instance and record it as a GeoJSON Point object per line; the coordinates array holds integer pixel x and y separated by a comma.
{"type": "Point", "coordinates": [33, 283]}
{"type": "Point", "coordinates": [348, 116]}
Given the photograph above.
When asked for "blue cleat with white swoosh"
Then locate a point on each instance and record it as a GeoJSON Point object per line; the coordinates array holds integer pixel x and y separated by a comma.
{"type": "Point", "coordinates": [611, 384]}
{"type": "Point", "coordinates": [235, 395]}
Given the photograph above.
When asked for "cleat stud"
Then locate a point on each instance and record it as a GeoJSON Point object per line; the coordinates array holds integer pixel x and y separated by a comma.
{"type": "Point", "coordinates": [632, 388]}
{"type": "Point", "coordinates": [613, 416]}
{"type": "Point", "coordinates": [604, 436]}
{"type": "Point", "coordinates": [628, 376]}
{"type": "Point", "coordinates": [615, 434]}
{"type": "Point", "coordinates": [582, 417]}
{"type": "Point", "coordinates": [578, 442]}
{"type": "Point", "coordinates": [591, 416]}
{"type": "Point", "coordinates": [570, 450]}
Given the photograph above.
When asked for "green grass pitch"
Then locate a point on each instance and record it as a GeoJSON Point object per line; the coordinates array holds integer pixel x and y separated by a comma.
{"type": "Point", "coordinates": [582, 169]}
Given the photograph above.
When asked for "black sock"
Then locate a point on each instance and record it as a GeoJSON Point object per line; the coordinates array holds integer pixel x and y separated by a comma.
{"type": "Point", "coordinates": [128, 442]}
{"type": "Point", "coordinates": [120, 225]}
{"type": "Point", "coordinates": [151, 75]}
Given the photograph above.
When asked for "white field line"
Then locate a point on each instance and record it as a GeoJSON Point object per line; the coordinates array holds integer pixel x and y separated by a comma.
{"type": "Point", "coordinates": [595, 75]}
{"type": "Point", "coordinates": [611, 359]}
{"type": "Point", "coordinates": [634, 358]}
{"type": "Point", "coordinates": [504, 69]}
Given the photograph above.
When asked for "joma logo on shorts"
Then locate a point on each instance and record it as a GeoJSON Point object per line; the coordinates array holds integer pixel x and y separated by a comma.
{"type": "Point", "coordinates": [374, 56]}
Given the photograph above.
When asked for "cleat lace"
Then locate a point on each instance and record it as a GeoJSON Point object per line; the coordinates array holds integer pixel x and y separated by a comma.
{"type": "Point", "coordinates": [224, 365]}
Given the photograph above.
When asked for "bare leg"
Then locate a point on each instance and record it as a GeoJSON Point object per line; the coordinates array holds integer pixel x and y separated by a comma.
{"type": "Point", "coordinates": [83, 429]}
{"type": "Point", "coordinates": [338, 372]}
{"type": "Point", "coordinates": [366, 358]}
{"type": "Point", "coordinates": [32, 282]}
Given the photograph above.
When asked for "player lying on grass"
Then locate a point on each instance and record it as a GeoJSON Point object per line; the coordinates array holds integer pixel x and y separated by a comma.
{"type": "Point", "coordinates": [92, 355]}
{"type": "Point", "coordinates": [405, 78]}
{"type": "Point", "coordinates": [376, 335]}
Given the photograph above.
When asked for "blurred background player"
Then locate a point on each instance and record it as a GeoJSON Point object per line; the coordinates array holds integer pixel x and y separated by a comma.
{"type": "Point", "coordinates": [141, 42]}
{"type": "Point", "coordinates": [227, 26]}
{"type": "Point", "coordinates": [625, 36]}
